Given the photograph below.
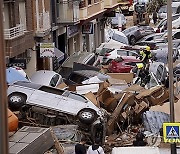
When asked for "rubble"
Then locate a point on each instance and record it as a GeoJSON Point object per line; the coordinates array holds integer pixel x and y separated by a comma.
{"type": "Point", "coordinates": [127, 111]}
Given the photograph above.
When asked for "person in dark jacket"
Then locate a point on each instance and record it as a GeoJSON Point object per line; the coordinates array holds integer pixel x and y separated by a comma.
{"type": "Point", "coordinates": [80, 148]}
{"type": "Point", "coordinates": [155, 17]}
{"type": "Point", "coordinates": [139, 140]}
{"type": "Point", "coordinates": [95, 148]}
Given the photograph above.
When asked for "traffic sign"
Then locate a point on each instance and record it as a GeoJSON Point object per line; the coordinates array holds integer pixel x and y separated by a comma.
{"type": "Point", "coordinates": [171, 132]}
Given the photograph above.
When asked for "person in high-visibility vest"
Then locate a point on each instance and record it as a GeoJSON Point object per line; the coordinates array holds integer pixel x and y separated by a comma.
{"type": "Point", "coordinates": [142, 74]}
{"type": "Point", "coordinates": [146, 55]}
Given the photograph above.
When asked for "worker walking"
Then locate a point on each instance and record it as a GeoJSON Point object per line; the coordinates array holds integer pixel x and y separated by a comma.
{"type": "Point", "coordinates": [142, 74]}
{"type": "Point", "coordinates": [146, 55]}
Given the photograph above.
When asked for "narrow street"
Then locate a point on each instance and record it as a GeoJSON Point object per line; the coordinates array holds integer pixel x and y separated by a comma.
{"type": "Point", "coordinates": [89, 77]}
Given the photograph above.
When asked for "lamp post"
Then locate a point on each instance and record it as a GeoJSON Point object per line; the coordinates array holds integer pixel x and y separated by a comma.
{"type": "Point", "coordinates": [170, 65]}
{"type": "Point", "coordinates": [3, 95]}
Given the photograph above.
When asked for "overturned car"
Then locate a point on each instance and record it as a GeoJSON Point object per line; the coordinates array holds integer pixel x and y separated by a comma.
{"type": "Point", "coordinates": [51, 106]}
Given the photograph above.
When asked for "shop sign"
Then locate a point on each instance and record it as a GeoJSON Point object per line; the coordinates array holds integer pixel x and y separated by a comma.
{"type": "Point", "coordinates": [47, 50]}
{"type": "Point", "coordinates": [17, 62]}
{"type": "Point", "coordinates": [72, 30]}
{"type": "Point", "coordinates": [88, 28]}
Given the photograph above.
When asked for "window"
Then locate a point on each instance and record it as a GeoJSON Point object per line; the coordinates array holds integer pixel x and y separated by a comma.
{"type": "Point", "coordinates": [91, 60]}
{"type": "Point", "coordinates": [77, 78]}
{"type": "Point", "coordinates": [177, 35]}
{"type": "Point", "coordinates": [54, 80]}
{"type": "Point", "coordinates": [132, 53]}
{"type": "Point", "coordinates": [149, 39]}
{"type": "Point", "coordinates": [89, 2]}
{"type": "Point", "coordinates": [122, 52]}
{"type": "Point", "coordinates": [119, 38]}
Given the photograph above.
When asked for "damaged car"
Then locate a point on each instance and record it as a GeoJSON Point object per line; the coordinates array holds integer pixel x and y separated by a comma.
{"type": "Point", "coordinates": [51, 106]}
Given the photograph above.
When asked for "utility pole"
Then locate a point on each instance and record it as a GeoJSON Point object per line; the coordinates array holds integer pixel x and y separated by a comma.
{"type": "Point", "coordinates": [3, 95]}
{"type": "Point", "coordinates": [170, 65]}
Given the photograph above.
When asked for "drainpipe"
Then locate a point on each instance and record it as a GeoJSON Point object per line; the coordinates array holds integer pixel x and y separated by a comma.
{"type": "Point", "coordinates": [3, 94]}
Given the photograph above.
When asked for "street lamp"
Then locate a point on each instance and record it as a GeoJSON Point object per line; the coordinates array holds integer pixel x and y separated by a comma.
{"type": "Point", "coordinates": [170, 65]}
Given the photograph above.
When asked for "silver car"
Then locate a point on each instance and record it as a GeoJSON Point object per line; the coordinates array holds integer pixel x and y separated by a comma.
{"type": "Point", "coordinates": [46, 100]}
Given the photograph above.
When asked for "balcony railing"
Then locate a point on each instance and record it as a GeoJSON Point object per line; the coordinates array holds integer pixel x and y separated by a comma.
{"type": "Point", "coordinates": [68, 12]}
{"type": "Point", "coordinates": [14, 32]}
{"type": "Point", "coordinates": [44, 22]}
{"type": "Point", "coordinates": [91, 10]}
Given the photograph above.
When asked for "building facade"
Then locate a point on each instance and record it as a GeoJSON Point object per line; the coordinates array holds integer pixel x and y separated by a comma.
{"type": "Point", "coordinates": [72, 25]}
{"type": "Point", "coordinates": [18, 32]}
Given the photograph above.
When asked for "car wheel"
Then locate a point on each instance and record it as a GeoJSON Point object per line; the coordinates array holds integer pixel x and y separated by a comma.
{"type": "Point", "coordinates": [109, 61]}
{"type": "Point", "coordinates": [132, 40]}
{"type": "Point", "coordinates": [16, 100]}
{"type": "Point", "coordinates": [87, 116]}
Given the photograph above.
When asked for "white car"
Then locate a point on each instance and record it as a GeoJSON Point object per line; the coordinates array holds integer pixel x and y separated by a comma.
{"type": "Point", "coordinates": [107, 54]}
{"type": "Point", "coordinates": [115, 36]}
{"type": "Point", "coordinates": [162, 13]}
{"type": "Point", "coordinates": [29, 94]}
{"type": "Point", "coordinates": [46, 77]}
{"type": "Point", "coordinates": [162, 25]}
{"type": "Point", "coordinates": [114, 20]}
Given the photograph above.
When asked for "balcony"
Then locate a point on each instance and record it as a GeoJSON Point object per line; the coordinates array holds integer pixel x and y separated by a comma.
{"type": "Point", "coordinates": [91, 10]}
{"type": "Point", "coordinates": [43, 24]}
{"type": "Point", "coordinates": [68, 12]}
{"type": "Point", "coordinates": [17, 40]}
{"type": "Point", "coordinates": [108, 4]}
{"type": "Point", "coordinates": [14, 32]}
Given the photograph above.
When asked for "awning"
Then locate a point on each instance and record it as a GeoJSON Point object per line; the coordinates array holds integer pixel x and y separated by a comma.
{"type": "Point", "coordinates": [58, 54]}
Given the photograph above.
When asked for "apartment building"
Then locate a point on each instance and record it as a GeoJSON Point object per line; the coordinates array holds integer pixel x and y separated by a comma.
{"type": "Point", "coordinates": [72, 25]}
{"type": "Point", "coordinates": [78, 25]}
{"type": "Point", "coordinates": [18, 32]}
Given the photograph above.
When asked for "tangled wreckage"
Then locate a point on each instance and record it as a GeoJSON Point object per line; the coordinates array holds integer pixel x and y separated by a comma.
{"type": "Point", "coordinates": [114, 111]}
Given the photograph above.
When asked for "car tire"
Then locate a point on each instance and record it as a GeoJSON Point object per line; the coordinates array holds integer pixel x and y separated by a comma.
{"type": "Point", "coordinates": [132, 40]}
{"type": "Point", "coordinates": [87, 116]}
{"type": "Point", "coordinates": [16, 101]}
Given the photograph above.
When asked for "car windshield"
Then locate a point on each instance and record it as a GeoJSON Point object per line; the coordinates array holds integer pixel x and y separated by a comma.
{"type": "Point", "coordinates": [119, 59]}
{"type": "Point", "coordinates": [174, 9]}
{"type": "Point", "coordinates": [120, 38]}
{"type": "Point", "coordinates": [105, 50]}
{"type": "Point", "coordinates": [75, 96]}
{"type": "Point", "coordinates": [163, 9]}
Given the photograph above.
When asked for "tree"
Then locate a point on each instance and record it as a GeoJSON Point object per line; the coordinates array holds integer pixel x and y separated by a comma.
{"type": "Point", "coordinates": [155, 5]}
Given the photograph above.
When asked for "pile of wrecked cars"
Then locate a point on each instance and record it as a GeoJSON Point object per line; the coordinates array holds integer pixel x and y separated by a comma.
{"type": "Point", "coordinates": [91, 102]}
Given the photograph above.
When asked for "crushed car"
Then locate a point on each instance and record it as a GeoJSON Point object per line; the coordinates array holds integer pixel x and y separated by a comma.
{"type": "Point", "coordinates": [51, 106]}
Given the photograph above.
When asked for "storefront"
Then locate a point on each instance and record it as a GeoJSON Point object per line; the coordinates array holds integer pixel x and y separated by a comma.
{"type": "Point", "coordinates": [73, 38]}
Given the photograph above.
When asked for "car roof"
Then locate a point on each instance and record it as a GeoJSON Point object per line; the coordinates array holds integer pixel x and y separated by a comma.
{"type": "Point", "coordinates": [13, 75]}
{"type": "Point", "coordinates": [79, 57]}
{"type": "Point", "coordinates": [43, 76]}
{"type": "Point", "coordinates": [27, 84]}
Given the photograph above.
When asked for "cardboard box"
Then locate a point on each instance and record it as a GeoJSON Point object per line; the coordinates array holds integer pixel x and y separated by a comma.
{"type": "Point", "coordinates": [83, 89]}
{"type": "Point", "coordinates": [128, 77]}
{"type": "Point", "coordinates": [92, 98]}
{"type": "Point", "coordinates": [62, 86]}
